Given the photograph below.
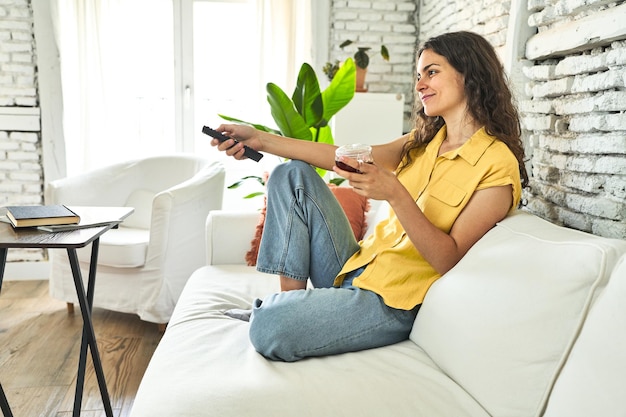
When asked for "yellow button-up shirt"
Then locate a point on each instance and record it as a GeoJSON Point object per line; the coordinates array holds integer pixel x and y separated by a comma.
{"type": "Point", "coordinates": [441, 186]}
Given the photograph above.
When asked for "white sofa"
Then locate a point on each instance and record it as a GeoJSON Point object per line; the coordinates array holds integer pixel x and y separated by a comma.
{"type": "Point", "coordinates": [532, 322]}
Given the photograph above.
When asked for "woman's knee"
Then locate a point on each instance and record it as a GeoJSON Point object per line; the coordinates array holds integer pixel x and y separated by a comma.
{"type": "Point", "coordinates": [270, 337]}
{"type": "Point", "coordinates": [285, 170]}
{"type": "Point", "coordinates": [285, 179]}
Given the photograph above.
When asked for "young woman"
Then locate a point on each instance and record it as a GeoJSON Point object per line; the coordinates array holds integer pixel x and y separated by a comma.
{"type": "Point", "coordinates": [448, 181]}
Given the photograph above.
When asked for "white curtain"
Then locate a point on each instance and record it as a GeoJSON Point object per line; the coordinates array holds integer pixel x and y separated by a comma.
{"type": "Point", "coordinates": [285, 40]}
{"type": "Point", "coordinates": [117, 72]}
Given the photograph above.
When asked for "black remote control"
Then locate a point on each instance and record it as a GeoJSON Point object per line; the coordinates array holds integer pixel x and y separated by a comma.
{"type": "Point", "coordinates": [249, 152]}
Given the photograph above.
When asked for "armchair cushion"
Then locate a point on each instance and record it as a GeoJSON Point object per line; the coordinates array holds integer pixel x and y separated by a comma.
{"type": "Point", "coordinates": [123, 247]}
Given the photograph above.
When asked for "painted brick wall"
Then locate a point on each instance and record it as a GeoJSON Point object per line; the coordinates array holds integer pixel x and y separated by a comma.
{"type": "Point", "coordinates": [488, 18]}
{"type": "Point", "coordinates": [21, 174]}
{"type": "Point", "coordinates": [572, 101]}
{"type": "Point", "coordinates": [17, 64]}
{"type": "Point", "coordinates": [576, 116]}
{"type": "Point", "coordinates": [374, 23]}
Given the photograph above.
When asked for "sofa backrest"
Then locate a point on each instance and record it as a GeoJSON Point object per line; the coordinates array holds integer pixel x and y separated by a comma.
{"type": "Point", "coordinates": [593, 380]}
{"type": "Point", "coordinates": [379, 210]}
{"type": "Point", "coordinates": [502, 322]}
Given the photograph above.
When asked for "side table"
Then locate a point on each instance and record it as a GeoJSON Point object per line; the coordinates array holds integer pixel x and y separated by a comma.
{"type": "Point", "coordinates": [70, 240]}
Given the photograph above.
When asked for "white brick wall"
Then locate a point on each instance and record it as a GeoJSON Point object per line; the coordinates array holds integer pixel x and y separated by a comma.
{"type": "Point", "coordinates": [376, 22]}
{"type": "Point", "coordinates": [17, 63]}
{"type": "Point", "coordinates": [574, 115]}
{"type": "Point", "coordinates": [21, 177]}
{"type": "Point", "coordinates": [395, 24]}
{"type": "Point", "coordinates": [488, 18]}
{"type": "Point", "coordinates": [579, 161]}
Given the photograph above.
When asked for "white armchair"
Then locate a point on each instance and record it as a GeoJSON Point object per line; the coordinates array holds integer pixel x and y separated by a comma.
{"type": "Point", "coordinates": [144, 264]}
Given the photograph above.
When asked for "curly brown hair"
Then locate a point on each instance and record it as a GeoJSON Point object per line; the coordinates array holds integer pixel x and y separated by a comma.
{"type": "Point", "coordinates": [489, 99]}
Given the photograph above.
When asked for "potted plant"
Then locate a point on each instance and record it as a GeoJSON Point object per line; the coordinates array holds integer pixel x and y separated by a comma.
{"type": "Point", "coordinates": [331, 68]}
{"type": "Point", "coordinates": [361, 59]}
{"type": "Point", "coordinates": [307, 113]}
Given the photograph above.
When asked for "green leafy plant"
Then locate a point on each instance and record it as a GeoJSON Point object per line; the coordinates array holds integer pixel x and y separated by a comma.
{"type": "Point", "coordinates": [361, 57]}
{"type": "Point", "coordinates": [306, 114]}
{"type": "Point", "coordinates": [239, 183]}
{"type": "Point", "coordinates": [331, 68]}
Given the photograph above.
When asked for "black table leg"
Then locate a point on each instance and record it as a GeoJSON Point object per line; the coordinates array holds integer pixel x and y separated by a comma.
{"type": "Point", "coordinates": [3, 262]}
{"type": "Point", "coordinates": [80, 378]}
{"type": "Point", "coordinates": [89, 338]}
{"type": "Point", "coordinates": [4, 403]}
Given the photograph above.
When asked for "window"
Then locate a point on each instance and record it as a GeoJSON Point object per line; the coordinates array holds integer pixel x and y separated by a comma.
{"type": "Point", "coordinates": [117, 78]}
{"type": "Point", "coordinates": [141, 77]}
{"type": "Point", "coordinates": [226, 65]}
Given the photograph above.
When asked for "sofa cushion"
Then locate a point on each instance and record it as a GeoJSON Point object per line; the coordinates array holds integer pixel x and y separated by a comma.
{"type": "Point", "coordinates": [502, 322]}
{"type": "Point", "coordinates": [205, 366]}
{"type": "Point", "coordinates": [593, 380]}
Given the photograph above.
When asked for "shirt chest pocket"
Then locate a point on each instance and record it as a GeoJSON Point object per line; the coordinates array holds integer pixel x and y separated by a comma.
{"type": "Point", "coordinates": [447, 193]}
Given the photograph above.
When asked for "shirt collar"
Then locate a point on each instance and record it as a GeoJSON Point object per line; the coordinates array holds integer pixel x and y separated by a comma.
{"type": "Point", "coordinates": [472, 150]}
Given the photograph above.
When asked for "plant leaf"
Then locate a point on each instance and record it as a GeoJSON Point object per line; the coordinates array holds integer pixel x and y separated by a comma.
{"type": "Point", "coordinates": [238, 184]}
{"type": "Point", "coordinates": [235, 185]}
{"type": "Point", "coordinates": [361, 58]}
{"type": "Point", "coordinates": [307, 97]}
{"type": "Point", "coordinates": [337, 181]}
{"type": "Point", "coordinates": [322, 135]}
{"type": "Point", "coordinates": [252, 195]}
{"type": "Point", "coordinates": [258, 179]}
{"type": "Point", "coordinates": [345, 43]}
{"type": "Point", "coordinates": [384, 52]}
{"type": "Point", "coordinates": [254, 125]}
{"type": "Point", "coordinates": [289, 121]}
{"type": "Point", "coordinates": [340, 90]}
{"type": "Point", "coordinates": [325, 135]}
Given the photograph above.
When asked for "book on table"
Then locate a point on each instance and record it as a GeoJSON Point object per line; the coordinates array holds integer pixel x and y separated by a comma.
{"type": "Point", "coordinates": [40, 215]}
{"type": "Point", "coordinates": [91, 217]}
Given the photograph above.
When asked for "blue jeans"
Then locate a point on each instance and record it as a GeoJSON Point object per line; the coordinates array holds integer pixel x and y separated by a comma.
{"type": "Point", "coordinates": [307, 236]}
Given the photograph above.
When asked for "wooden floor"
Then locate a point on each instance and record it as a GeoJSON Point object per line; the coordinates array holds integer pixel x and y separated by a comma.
{"type": "Point", "coordinates": [39, 344]}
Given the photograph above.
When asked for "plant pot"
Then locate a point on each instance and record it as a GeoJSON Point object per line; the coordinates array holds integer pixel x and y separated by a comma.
{"type": "Point", "coordinates": [360, 79]}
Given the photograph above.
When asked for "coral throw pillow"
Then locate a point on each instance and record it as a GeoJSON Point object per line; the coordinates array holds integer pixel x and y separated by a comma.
{"type": "Point", "coordinates": [354, 205]}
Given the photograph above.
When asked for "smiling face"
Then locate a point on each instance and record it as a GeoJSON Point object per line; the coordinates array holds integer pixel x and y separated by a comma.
{"type": "Point", "coordinates": [440, 87]}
